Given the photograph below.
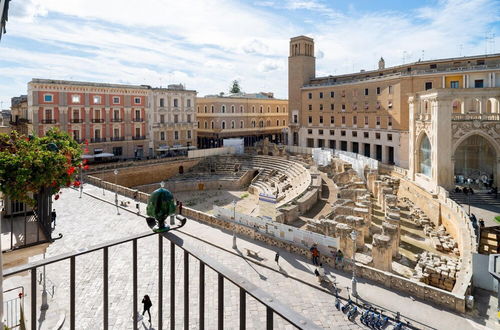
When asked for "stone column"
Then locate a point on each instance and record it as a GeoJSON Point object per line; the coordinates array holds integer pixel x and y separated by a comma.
{"type": "Point", "coordinates": [393, 217]}
{"type": "Point", "coordinates": [381, 252]}
{"type": "Point", "coordinates": [358, 223]}
{"type": "Point", "coordinates": [392, 231]}
{"type": "Point", "coordinates": [343, 231]}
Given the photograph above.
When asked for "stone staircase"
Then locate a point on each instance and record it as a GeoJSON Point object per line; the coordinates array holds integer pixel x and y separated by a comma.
{"type": "Point", "coordinates": [478, 198]}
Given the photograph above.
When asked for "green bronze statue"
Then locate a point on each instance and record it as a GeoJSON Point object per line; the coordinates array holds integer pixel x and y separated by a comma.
{"type": "Point", "coordinates": [160, 206]}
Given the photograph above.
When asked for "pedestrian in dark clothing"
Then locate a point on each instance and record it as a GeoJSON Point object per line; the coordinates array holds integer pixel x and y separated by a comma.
{"type": "Point", "coordinates": [465, 190]}
{"type": "Point", "coordinates": [147, 305]}
{"type": "Point", "coordinates": [277, 258]}
{"type": "Point", "coordinates": [53, 216]}
{"type": "Point", "coordinates": [315, 255]}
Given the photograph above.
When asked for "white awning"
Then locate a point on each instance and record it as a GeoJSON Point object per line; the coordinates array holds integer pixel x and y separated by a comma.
{"type": "Point", "coordinates": [103, 155]}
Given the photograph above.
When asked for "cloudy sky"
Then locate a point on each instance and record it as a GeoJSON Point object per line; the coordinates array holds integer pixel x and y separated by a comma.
{"type": "Point", "coordinates": [205, 44]}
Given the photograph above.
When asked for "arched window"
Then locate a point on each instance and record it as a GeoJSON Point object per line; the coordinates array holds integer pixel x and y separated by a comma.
{"type": "Point", "coordinates": [284, 123]}
{"type": "Point", "coordinates": [457, 106]}
{"type": "Point", "coordinates": [205, 109]}
{"type": "Point", "coordinates": [206, 124]}
{"type": "Point", "coordinates": [223, 125]}
{"type": "Point", "coordinates": [198, 109]}
{"type": "Point", "coordinates": [241, 124]}
{"type": "Point", "coordinates": [253, 108]}
{"type": "Point", "coordinates": [268, 109]}
{"type": "Point", "coordinates": [212, 109]}
{"type": "Point", "coordinates": [261, 123]}
{"type": "Point", "coordinates": [277, 122]}
{"type": "Point", "coordinates": [223, 109]}
{"type": "Point", "coordinates": [232, 124]}
{"type": "Point", "coordinates": [268, 123]}
{"type": "Point", "coordinates": [261, 109]}
{"type": "Point", "coordinates": [253, 123]}
{"type": "Point", "coordinates": [232, 109]}
{"type": "Point", "coordinates": [241, 108]}
{"type": "Point", "coordinates": [277, 109]}
{"type": "Point", "coordinates": [424, 156]}
{"type": "Point", "coordinates": [212, 124]}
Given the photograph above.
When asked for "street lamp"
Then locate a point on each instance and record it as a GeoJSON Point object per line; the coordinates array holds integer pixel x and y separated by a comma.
{"type": "Point", "coordinates": [234, 224]}
{"type": "Point", "coordinates": [354, 236]}
{"type": "Point", "coordinates": [45, 305]}
{"type": "Point", "coordinates": [116, 192]}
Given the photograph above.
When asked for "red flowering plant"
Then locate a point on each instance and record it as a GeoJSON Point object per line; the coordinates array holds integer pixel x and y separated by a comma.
{"type": "Point", "coordinates": [29, 165]}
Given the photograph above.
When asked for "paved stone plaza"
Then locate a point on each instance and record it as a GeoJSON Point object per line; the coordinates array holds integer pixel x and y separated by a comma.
{"type": "Point", "coordinates": [89, 221]}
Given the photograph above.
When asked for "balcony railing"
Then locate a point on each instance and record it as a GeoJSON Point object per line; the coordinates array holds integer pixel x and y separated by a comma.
{"type": "Point", "coordinates": [116, 120]}
{"type": "Point", "coordinates": [98, 120]}
{"type": "Point", "coordinates": [137, 120]}
{"type": "Point", "coordinates": [118, 138]}
{"type": "Point", "coordinates": [96, 140]}
{"type": "Point", "coordinates": [137, 137]}
{"type": "Point", "coordinates": [476, 116]}
{"type": "Point", "coordinates": [190, 251]}
{"type": "Point", "coordinates": [49, 121]}
{"type": "Point", "coordinates": [78, 140]}
{"type": "Point", "coordinates": [76, 121]}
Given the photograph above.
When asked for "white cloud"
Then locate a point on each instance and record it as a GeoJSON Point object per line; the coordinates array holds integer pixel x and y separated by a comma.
{"type": "Point", "coordinates": [206, 44]}
{"type": "Point", "coordinates": [269, 65]}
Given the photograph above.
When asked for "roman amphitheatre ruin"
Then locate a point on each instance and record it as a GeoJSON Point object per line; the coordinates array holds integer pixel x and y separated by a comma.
{"type": "Point", "coordinates": [408, 239]}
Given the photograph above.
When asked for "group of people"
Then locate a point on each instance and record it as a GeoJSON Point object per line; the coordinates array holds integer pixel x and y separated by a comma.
{"type": "Point", "coordinates": [319, 271]}
{"type": "Point", "coordinates": [465, 190]}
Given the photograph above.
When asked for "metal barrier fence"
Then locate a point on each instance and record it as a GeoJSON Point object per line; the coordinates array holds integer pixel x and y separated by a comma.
{"type": "Point", "coordinates": [13, 307]}
{"type": "Point", "coordinates": [223, 274]}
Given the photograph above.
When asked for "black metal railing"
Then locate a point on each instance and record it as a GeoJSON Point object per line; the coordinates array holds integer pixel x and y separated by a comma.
{"type": "Point", "coordinates": [116, 120]}
{"type": "Point", "coordinates": [118, 138]}
{"type": "Point", "coordinates": [77, 120]}
{"type": "Point", "coordinates": [190, 251]}
{"type": "Point", "coordinates": [49, 121]}
{"type": "Point", "coordinates": [98, 120]}
{"type": "Point", "coordinates": [139, 137]}
{"type": "Point", "coordinates": [96, 140]}
{"type": "Point", "coordinates": [137, 119]}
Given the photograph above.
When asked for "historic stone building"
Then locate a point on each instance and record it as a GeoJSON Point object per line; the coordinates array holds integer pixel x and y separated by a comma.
{"type": "Point", "coordinates": [368, 112]}
{"type": "Point", "coordinates": [124, 121]}
{"type": "Point", "coordinates": [252, 117]}
{"type": "Point", "coordinates": [173, 119]}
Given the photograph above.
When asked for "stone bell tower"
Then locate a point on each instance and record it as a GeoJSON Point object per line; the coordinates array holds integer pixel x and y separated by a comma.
{"type": "Point", "coordinates": [301, 69]}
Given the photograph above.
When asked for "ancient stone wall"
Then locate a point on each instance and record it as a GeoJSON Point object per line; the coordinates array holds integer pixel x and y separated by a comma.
{"type": "Point", "coordinates": [145, 174]}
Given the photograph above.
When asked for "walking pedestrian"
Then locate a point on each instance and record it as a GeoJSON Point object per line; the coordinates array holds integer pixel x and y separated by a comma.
{"type": "Point", "coordinates": [53, 217]}
{"type": "Point", "coordinates": [316, 256]}
{"type": "Point", "coordinates": [340, 257]}
{"type": "Point", "coordinates": [321, 273]}
{"type": "Point", "coordinates": [277, 258]}
{"type": "Point", "coordinates": [147, 305]}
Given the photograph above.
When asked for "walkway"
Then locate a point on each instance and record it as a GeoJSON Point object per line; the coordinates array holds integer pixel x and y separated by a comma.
{"type": "Point", "coordinates": [89, 221]}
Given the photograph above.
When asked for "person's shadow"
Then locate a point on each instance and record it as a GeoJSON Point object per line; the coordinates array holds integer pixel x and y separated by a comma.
{"type": "Point", "coordinates": [146, 327]}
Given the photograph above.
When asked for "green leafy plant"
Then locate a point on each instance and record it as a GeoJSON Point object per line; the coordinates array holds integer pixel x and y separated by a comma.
{"type": "Point", "coordinates": [31, 164]}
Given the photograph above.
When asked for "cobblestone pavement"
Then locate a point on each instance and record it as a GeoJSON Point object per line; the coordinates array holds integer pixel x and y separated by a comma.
{"type": "Point", "coordinates": [89, 221]}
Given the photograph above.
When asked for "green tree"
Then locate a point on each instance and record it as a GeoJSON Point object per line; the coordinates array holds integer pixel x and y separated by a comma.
{"type": "Point", "coordinates": [31, 166]}
{"type": "Point", "coordinates": [235, 88]}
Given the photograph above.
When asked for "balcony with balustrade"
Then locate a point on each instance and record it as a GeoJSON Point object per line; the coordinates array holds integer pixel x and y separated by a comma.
{"type": "Point", "coordinates": [138, 137]}
{"type": "Point", "coordinates": [49, 121]}
{"type": "Point", "coordinates": [97, 140]}
{"type": "Point", "coordinates": [196, 287]}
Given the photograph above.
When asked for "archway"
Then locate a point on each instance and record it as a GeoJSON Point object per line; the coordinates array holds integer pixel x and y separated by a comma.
{"type": "Point", "coordinates": [457, 106]}
{"type": "Point", "coordinates": [475, 159]}
{"type": "Point", "coordinates": [424, 160]}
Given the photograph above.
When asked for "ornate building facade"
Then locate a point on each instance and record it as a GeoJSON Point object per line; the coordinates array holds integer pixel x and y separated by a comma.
{"type": "Point", "coordinates": [252, 117]}
{"type": "Point", "coordinates": [173, 119]}
{"type": "Point", "coordinates": [368, 112]}
{"type": "Point", "coordinates": [118, 120]}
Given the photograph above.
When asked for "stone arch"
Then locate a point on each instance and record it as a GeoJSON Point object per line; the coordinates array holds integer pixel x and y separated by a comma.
{"type": "Point", "coordinates": [475, 157]}
{"type": "Point", "coordinates": [475, 106]}
{"type": "Point", "coordinates": [457, 106]}
{"type": "Point", "coordinates": [423, 154]}
{"type": "Point", "coordinates": [492, 105]}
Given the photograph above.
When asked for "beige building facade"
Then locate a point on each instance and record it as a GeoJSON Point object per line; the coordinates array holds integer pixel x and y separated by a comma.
{"type": "Point", "coordinates": [368, 112]}
{"type": "Point", "coordinates": [172, 120]}
{"type": "Point", "coordinates": [252, 117]}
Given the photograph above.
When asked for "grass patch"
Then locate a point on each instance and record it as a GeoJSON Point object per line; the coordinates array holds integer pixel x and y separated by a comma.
{"type": "Point", "coordinates": [245, 195]}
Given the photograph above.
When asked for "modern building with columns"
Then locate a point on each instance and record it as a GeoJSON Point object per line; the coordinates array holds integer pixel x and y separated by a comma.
{"type": "Point", "coordinates": [368, 112]}
{"type": "Point", "coordinates": [251, 116]}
